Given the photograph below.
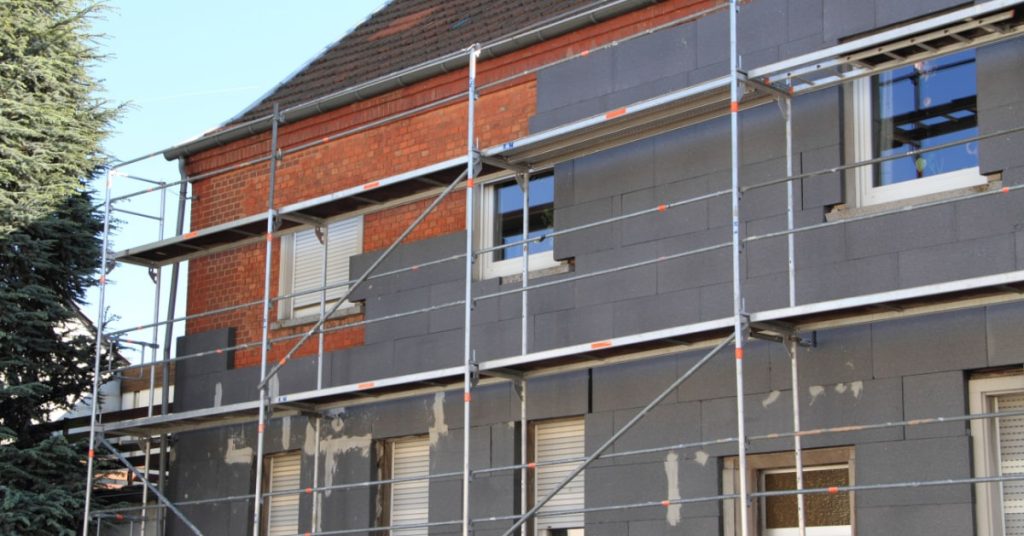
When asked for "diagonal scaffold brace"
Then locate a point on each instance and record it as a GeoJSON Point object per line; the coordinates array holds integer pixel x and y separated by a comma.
{"type": "Point", "coordinates": [615, 437]}
{"type": "Point", "coordinates": [149, 485]}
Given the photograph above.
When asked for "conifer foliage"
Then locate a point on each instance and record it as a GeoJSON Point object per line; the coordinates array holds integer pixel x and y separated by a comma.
{"type": "Point", "coordinates": [51, 127]}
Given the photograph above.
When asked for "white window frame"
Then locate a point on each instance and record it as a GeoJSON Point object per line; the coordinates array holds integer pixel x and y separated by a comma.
{"type": "Point", "coordinates": [572, 527]}
{"type": "Point", "coordinates": [287, 312]}
{"type": "Point", "coordinates": [488, 267]}
{"type": "Point", "coordinates": [865, 192]}
{"type": "Point", "coordinates": [985, 438]}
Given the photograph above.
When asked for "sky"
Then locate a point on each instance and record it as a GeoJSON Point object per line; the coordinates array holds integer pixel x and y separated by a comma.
{"type": "Point", "coordinates": [182, 68]}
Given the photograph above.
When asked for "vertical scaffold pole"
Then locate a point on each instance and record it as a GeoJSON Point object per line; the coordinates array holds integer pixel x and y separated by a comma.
{"type": "Point", "coordinates": [787, 111]}
{"type": "Point", "coordinates": [791, 348]}
{"type": "Point", "coordinates": [791, 341]}
{"type": "Point", "coordinates": [172, 303]}
{"type": "Point", "coordinates": [325, 231]}
{"type": "Point", "coordinates": [320, 376]}
{"type": "Point", "coordinates": [148, 445]}
{"type": "Point", "coordinates": [524, 183]}
{"type": "Point", "coordinates": [737, 287]}
{"type": "Point", "coordinates": [261, 427]}
{"type": "Point", "coordinates": [99, 355]}
{"type": "Point", "coordinates": [467, 389]}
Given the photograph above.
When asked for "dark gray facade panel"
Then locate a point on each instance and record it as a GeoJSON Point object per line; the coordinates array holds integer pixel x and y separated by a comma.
{"type": "Point", "coordinates": [1004, 338]}
{"type": "Point", "coordinates": [933, 343]}
{"type": "Point", "coordinates": [851, 403]}
{"type": "Point", "coordinates": [914, 460]}
{"type": "Point", "coordinates": [859, 276]}
{"type": "Point", "coordinates": [917, 520]}
{"type": "Point", "coordinates": [921, 400]}
{"type": "Point", "coordinates": [949, 262]}
{"type": "Point", "coordinates": [900, 232]}
{"type": "Point", "coordinates": [561, 395]}
{"type": "Point", "coordinates": [838, 356]}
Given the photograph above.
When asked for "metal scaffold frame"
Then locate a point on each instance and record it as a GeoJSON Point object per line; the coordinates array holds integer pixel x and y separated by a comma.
{"type": "Point", "coordinates": [780, 82]}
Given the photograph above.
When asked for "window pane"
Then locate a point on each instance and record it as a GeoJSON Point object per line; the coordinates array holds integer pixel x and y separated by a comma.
{"type": "Point", "coordinates": [820, 510]}
{"type": "Point", "coordinates": [922, 105]}
{"type": "Point", "coordinates": [509, 215]}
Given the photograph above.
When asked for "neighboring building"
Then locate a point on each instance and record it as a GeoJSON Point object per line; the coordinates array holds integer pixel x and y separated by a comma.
{"type": "Point", "coordinates": [912, 314]}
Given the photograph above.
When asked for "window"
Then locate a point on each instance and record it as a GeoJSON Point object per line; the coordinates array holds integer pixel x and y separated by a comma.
{"type": "Point", "coordinates": [302, 266]}
{"type": "Point", "coordinates": [824, 514]}
{"type": "Point", "coordinates": [998, 451]}
{"type": "Point", "coordinates": [501, 219]}
{"type": "Point", "coordinates": [558, 440]}
{"type": "Point", "coordinates": [406, 502]}
{"type": "Point", "coordinates": [282, 511]}
{"type": "Point", "coordinates": [914, 107]}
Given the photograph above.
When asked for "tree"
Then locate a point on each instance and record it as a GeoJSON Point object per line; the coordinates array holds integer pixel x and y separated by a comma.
{"type": "Point", "coordinates": [51, 127]}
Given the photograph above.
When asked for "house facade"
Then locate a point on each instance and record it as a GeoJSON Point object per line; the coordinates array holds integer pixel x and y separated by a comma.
{"type": "Point", "coordinates": [897, 302]}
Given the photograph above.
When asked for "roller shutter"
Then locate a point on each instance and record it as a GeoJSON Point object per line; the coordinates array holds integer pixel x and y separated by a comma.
{"type": "Point", "coordinates": [559, 440]}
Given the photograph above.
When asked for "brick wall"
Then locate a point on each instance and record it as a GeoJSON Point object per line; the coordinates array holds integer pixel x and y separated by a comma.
{"type": "Point", "coordinates": [503, 112]}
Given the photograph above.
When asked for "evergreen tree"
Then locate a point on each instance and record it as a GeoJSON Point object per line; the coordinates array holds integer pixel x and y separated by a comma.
{"type": "Point", "coordinates": [51, 127]}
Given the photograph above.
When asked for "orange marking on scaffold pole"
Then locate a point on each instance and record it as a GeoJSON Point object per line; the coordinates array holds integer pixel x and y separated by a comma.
{"type": "Point", "coordinates": [833, 490]}
{"type": "Point", "coordinates": [220, 350]}
{"type": "Point", "coordinates": [666, 503]}
{"type": "Point", "coordinates": [92, 453]}
{"type": "Point", "coordinates": [371, 185]}
{"type": "Point", "coordinates": [270, 237]}
{"type": "Point", "coordinates": [282, 361]}
{"type": "Point", "coordinates": [103, 279]}
{"type": "Point", "coordinates": [261, 428]}
{"type": "Point", "coordinates": [585, 52]}
{"type": "Point", "coordinates": [119, 517]}
{"type": "Point", "coordinates": [615, 113]}
{"type": "Point", "coordinates": [734, 106]}
{"type": "Point", "coordinates": [309, 491]}
{"type": "Point", "coordinates": [467, 397]}
{"type": "Point", "coordinates": [325, 140]}
{"type": "Point", "coordinates": [415, 267]}
{"type": "Point", "coordinates": [1006, 189]}
{"type": "Point", "coordinates": [531, 465]}
{"type": "Point", "coordinates": [662, 208]}
{"type": "Point", "coordinates": [192, 234]}
{"type": "Point", "coordinates": [365, 385]}
{"type": "Point", "coordinates": [600, 344]}
{"type": "Point", "coordinates": [469, 182]}
{"type": "Point", "coordinates": [739, 354]}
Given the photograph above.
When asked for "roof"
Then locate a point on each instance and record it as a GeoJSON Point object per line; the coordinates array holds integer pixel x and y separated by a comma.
{"type": "Point", "coordinates": [405, 33]}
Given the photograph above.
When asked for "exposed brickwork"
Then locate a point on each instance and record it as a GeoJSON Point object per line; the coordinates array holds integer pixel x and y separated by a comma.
{"type": "Point", "coordinates": [421, 139]}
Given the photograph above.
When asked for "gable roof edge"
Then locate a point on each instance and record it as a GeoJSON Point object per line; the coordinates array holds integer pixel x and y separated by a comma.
{"type": "Point", "coordinates": [408, 76]}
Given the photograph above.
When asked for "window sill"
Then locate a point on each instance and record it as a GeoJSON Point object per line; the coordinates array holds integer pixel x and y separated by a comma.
{"type": "Point", "coordinates": [843, 211]}
{"type": "Point", "coordinates": [342, 312]}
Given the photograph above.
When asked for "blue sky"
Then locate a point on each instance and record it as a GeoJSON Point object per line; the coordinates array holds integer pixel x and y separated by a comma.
{"type": "Point", "coordinates": [184, 67]}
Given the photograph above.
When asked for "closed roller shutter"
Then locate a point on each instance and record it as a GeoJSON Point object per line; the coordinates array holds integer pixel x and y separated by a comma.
{"type": "Point", "coordinates": [283, 510]}
{"type": "Point", "coordinates": [344, 239]}
{"type": "Point", "coordinates": [1011, 462]}
{"type": "Point", "coordinates": [410, 499]}
{"type": "Point", "coordinates": [558, 440]}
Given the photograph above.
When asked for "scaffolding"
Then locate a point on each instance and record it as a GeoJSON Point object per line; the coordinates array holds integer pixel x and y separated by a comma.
{"type": "Point", "coordinates": [781, 82]}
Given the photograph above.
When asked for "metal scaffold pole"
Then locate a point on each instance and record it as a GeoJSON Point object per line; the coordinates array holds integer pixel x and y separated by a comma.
{"type": "Point", "coordinates": [524, 348]}
{"type": "Point", "coordinates": [94, 410]}
{"type": "Point", "coordinates": [261, 427]}
{"type": "Point", "coordinates": [468, 376]}
{"type": "Point", "coordinates": [156, 274]}
{"type": "Point", "coordinates": [737, 257]}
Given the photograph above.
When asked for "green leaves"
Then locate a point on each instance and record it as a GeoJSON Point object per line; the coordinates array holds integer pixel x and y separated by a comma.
{"type": "Point", "coordinates": [51, 127]}
{"type": "Point", "coordinates": [51, 122]}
